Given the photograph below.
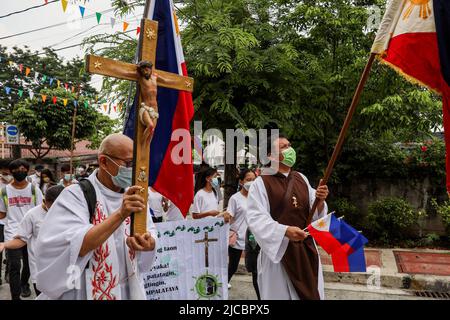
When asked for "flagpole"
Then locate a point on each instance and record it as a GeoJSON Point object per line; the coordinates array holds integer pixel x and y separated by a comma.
{"type": "Point", "coordinates": [345, 127]}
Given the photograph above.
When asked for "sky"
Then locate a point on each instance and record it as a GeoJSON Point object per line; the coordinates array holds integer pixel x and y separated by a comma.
{"type": "Point", "coordinates": [71, 32]}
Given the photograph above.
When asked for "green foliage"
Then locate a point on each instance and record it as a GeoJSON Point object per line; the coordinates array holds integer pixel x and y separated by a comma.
{"type": "Point", "coordinates": [343, 207]}
{"type": "Point", "coordinates": [444, 211]}
{"type": "Point", "coordinates": [389, 220]}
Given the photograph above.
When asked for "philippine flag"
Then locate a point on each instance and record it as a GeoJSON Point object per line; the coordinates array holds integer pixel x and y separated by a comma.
{"type": "Point", "coordinates": [341, 241]}
{"type": "Point", "coordinates": [414, 39]}
{"type": "Point", "coordinates": [172, 180]}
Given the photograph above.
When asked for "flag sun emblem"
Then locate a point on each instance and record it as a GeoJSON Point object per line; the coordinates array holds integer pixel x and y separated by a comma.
{"type": "Point", "coordinates": [425, 9]}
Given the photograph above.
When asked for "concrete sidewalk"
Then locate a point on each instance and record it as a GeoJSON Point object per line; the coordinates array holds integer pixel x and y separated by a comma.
{"type": "Point", "coordinates": [385, 269]}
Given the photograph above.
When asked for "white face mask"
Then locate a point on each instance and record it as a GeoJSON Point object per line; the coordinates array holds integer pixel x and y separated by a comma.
{"type": "Point", "coordinates": [247, 185]}
{"type": "Point", "coordinates": [6, 177]}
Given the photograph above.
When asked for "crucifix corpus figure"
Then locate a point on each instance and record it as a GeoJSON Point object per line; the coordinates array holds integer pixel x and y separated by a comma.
{"type": "Point", "coordinates": [147, 111]}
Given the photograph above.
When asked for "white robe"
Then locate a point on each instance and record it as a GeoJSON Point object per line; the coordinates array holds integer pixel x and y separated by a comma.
{"type": "Point", "coordinates": [60, 239]}
{"type": "Point", "coordinates": [273, 281]}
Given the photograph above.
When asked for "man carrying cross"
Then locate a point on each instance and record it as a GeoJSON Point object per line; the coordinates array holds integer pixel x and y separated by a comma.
{"type": "Point", "coordinates": [92, 254]}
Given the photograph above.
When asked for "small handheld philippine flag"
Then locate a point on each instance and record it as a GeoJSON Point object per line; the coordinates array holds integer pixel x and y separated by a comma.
{"type": "Point", "coordinates": [341, 241]}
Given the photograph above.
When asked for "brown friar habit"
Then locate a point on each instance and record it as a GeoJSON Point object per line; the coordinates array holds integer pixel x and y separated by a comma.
{"type": "Point", "coordinates": [300, 261]}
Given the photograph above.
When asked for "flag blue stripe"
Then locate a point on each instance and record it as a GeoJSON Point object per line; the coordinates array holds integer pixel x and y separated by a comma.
{"type": "Point", "coordinates": [166, 60]}
{"type": "Point", "coordinates": [357, 261]}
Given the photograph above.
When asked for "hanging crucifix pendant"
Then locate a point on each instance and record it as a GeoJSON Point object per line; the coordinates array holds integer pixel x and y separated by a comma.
{"type": "Point", "coordinates": [294, 201]}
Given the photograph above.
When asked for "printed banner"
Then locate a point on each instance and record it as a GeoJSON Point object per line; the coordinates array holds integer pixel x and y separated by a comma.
{"type": "Point", "coordinates": [191, 261]}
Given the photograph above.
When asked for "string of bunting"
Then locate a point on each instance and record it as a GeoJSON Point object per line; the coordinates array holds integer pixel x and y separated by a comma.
{"type": "Point", "coordinates": [54, 99]}
{"type": "Point", "coordinates": [99, 15]}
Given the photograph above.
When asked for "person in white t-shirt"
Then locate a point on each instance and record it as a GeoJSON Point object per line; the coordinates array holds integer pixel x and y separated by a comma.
{"type": "Point", "coordinates": [28, 231]}
{"type": "Point", "coordinates": [206, 203]}
{"type": "Point", "coordinates": [237, 208]}
{"type": "Point", "coordinates": [173, 213]}
{"type": "Point", "coordinates": [17, 198]}
{"type": "Point", "coordinates": [158, 204]}
{"type": "Point", "coordinates": [35, 178]}
{"type": "Point", "coordinates": [5, 178]}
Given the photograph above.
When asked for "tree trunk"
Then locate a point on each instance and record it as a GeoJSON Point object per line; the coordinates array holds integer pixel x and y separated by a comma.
{"type": "Point", "coordinates": [16, 151]}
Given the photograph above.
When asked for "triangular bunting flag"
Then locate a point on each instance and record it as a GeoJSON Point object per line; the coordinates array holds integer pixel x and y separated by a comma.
{"type": "Point", "coordinates": [36, 75]}
{"type": "Point", "coordinates": [20, 92]}
{"type": "Point", "coordinates": [64, 4]}
{"type": "Point", "coordinates": [27, 71]}
{"type": "Point", "coordinates": [21, 67]}
{"type": "Point", "coordinates": [44, 97]}
{"type": "Point", "coordinates": [51, 80]}
{"type": "Point", "coordinates": [54, 100]}
{"type": "Point", "coordinates": [46, 1]}
{"type": "Point", "coordinates": [125, 26]}
{"type": "Point", "coordinates": [138, 30]}
{"type": "Point", "coordinates": [104, 107]}
{"type": "Point", "coordinates": [99, 15]}
{"type": "Point", "coordinates": [75, 103]}
{"type": "Point", "coordinates": [73, 89]}
{"type": "Point", "coordinates": [7, 90]}
{"type": "Point", "coordinates": [66, 85]}
{"type": "Point", "coordinates": [65, 102]}
{"type": "Point", "coordinates": [31, 93]}
{"type": "Point", "coordinates": [115, 108]}
{"type": "Point", "coordinates": [58, 82]}
{"type": "Point", "coordinates": [86, 104]}
{"type": "Point", "coordinates": [44, 78]}
{"type": "Point", "coordinates": [113, 22]}
{"type": "Point", "coordinates": [82, 11]}
{"type": "Point", "coordinates": [10, 63]}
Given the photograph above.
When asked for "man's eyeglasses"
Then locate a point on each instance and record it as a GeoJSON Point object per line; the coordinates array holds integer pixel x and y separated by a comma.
{"type": "Point", "coordinates": [128, 163]}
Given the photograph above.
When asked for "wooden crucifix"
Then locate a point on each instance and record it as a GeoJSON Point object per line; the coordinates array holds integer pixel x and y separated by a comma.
{"type": "Point", "coordinates": [128, 71]}
{"type": "Point", "coordinates": [206, 240]}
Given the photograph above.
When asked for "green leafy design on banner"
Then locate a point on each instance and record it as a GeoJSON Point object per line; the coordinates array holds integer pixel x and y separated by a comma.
{"type": "Point", "coordinates": [210, 229]}
{"type": "Point", "coordinates": [220, 224]}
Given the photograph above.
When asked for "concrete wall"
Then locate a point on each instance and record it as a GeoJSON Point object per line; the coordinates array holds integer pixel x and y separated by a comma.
{"type": "Point", "coordinates": [418, 192]}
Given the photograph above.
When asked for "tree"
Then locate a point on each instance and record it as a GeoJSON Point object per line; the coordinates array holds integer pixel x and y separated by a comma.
{"type": "Point", "coordinates": [49, 125]}
{"type": "Point", "coordinates": [48, 122]}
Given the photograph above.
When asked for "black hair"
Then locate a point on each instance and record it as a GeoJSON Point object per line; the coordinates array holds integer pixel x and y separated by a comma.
{"type": "Point", "coordinates": [39, 167]}
{"type": "Point", "coordinates": [243, 173]}
{"type": "Point", "coordinates": [53, 193]}
{"type": "Point", "coordinates": [16, 164]}
{"type": "Point", "coordinates": [65, 168]}
{"type": "Point", "coordinates": [49, 174]}
{"type": "Point", "coordinates": [4, 163]}
{"type": "Point", "coordinates": [271, 140]}
{"type": "Point", "coordinates": [200, 182]}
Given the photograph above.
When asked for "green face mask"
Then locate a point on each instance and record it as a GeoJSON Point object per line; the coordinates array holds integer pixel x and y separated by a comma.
{"type": "Point", "coordinates": [289, 156]}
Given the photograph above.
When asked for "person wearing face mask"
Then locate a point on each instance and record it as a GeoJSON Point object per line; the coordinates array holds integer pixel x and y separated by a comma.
{"type": "Point", "coordinates": [35, 178]}
{"type": "Point", "coordinates": [17, 198]}
{"type": "Point", "coordinates": [5, 178]}
{"type": "Point", "coordinates": [28, 231]}
{"type": "Point", "coordinates": [206, 203]}
{"type": "Point", "coordinates": [68, 239]}
{"type": "Point", "coordinates": [279, 204]}
{"type": "Point", "coordinates": [67, 178]}
{"type": "Point", "coordinates": [46, 180]}
{"type": "Point", "coordinates": [237, 208]}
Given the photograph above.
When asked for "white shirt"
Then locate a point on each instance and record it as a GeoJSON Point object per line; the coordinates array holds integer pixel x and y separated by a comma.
{"type": "Point", "coordinates": [154, 202]}
{"type": "Point", "coordinates": [61, 237]}
{"type": "Point", "coordinates": [205, 201]}
{"type": "Point", "coordinates": [19, 203]}
{"type": "Point", "coordinates": [173, 214]}
{"type": "Point", "coordinates": [35, 179]}
{"type": "Point", "coordinates": [237, 207]}
{"type": "Point", "coordinates": [28, 231]}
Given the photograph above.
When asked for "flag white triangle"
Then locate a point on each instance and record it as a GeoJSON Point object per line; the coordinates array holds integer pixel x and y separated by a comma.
{"type": "Point", "coordinates": [31, 93]}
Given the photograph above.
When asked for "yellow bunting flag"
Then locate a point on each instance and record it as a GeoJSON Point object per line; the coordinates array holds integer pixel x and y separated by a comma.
{"type": "Point", "coordinates": [44, 97]}
{"type": "Point", "coordinates": [58, 82]}
{"type": "Point", "coordinates": [27, 71]}
{"type": "Point", "coordinates": [125, 26]}
{"type": "Point", "coordinates": [65, 102]}
{"type": "Point", "coordinates": [64, 4]}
